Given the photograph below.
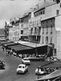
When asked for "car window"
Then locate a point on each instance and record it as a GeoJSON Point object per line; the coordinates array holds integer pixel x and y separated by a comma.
{"type": "Point", "coordinates": [23, 67]}
{"type": "Point", "coordinates": [41, 68]}
{"type": "Point", "coordinates": [25, 59]}
{"type": "Point", "coordinates": [19, 66]}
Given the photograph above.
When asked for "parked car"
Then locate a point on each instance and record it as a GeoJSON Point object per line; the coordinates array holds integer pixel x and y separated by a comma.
{"type": "Point", "coordinates": [21, 69]}
{"type": "Point", "coordinates": [2, 64]}
{"type": "Point", "coordinates": [41, 57]}
{"type": "Point", "coordinates": [25, 61]}
{"type": "Point", "coordinates": [36, 58]}
{"type": "Point", "coordinates": [52, 59]}
{"type": "Point", "coordinates": [40, 71]}
{"type": "Point", "coordinates": [43, 70]}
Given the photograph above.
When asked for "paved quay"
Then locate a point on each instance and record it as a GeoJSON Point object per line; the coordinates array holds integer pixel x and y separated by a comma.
{"type": "Point", "coordinates": [11, 63]}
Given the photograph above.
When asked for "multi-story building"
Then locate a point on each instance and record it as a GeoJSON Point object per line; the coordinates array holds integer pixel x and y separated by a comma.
{"type": "Point", "coordinates": [2, 34]}
{"type": "Point", "coordinates": [12, 30]}
{"type": "Point", "coordinates": [25, 26]}
{"type": "Point", "coordinates": [42, 26]}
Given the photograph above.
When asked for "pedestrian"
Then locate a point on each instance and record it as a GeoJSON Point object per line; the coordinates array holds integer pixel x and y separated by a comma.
{"type": "Point", "coordinates": [11, 52]}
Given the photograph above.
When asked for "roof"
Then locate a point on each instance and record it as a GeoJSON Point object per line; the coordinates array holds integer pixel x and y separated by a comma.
{"type": "Point", "coordinates": [24, 49]}
{"type": "Point", "coordinates": [21, 65]}
{"type": "Point", "coordinates": [6, 42]}
{"type": "Point", "coordinates": [20, 47]}
{"type": "Point", "coordinates": [44, 4]}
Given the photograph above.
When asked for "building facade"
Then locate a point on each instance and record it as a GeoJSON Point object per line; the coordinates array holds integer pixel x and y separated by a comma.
{"type": "Point", "coordinates": [12, 30]}
{"type": "Point", "coordinates": [42, 26]}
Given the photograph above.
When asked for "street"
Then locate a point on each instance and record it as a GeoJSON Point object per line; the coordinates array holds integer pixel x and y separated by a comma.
{"type": "Point", "coordinates": [9, 74]}
{"type": "Point", "coordinates": [11, 63]}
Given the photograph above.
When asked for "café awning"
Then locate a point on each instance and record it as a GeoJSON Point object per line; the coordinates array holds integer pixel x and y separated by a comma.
{"type": "Point", "coordinates": [19, 48]}
{"type": "Point", "coordinates": [22, 49]}
{"type": "Point", "coordinates": [9, 43]}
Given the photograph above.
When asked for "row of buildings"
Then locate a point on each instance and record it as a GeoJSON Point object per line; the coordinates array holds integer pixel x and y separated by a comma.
{"type": "Point", "coordinates": [41, 25]}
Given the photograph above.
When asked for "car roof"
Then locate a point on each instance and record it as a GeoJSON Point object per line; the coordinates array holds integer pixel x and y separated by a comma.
{"type": "Point", "coordinates": [21, 65]}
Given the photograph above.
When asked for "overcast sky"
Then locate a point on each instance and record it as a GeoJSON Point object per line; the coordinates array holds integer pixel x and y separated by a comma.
{"type": "Point", "coordinates": [14, 8]}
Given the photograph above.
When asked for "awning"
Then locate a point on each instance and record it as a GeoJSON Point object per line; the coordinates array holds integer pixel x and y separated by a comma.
{"type": "Point", "coordinates": [9, 43]}
{"type": "Point", "coordinates": [41, 49]}
{"type": "Point", "coordinates": [6, 42]}
{"type": "Point", "coordinates": [52, 75]}
{"type": "Point", "coordinates": [22, 49]}
{"type": "Point", "coordinates": [27, 49]}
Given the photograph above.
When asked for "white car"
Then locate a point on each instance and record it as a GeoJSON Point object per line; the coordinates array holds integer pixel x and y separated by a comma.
{"type": "Point", "coordinates": [25, 61]}
{"type": "Point", "coordinates": [14, 54]}
{"type": "Point", "coordinates": [22, 68]}
{"type": "Point", "coordinates": [40, 71]}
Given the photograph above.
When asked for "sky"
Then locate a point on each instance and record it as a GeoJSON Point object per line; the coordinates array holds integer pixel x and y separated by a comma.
{"type": "Point", "coordinates": [14, 8]}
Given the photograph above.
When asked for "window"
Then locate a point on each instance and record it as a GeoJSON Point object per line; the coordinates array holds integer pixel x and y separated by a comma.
{"type": "Point", "coordinates": [42, 39]}
{"type": "Point", "coordinates": [21, 31]}
{"type": "Point", "coordinates": [57, 12]}
{"type": "Point", "coordinates": [47, 30]}
{"type": "Point", "coordinates": [51, 40]}
{"type": "Point", "coordinates": [39, 12]}
{"type": "Point", "coordinates": [57, 1]}
{"type": "Point", "coordinates": [43, 30]}
{"type": "Point", "coordinates": [39, 31]}
{"type": "Point", "coordinates": [46, 40]}
{"type": "Point", "coordinates": [51, 30]}
{"type": "Point", "coordinates": [31, 30]}
{"type": "Point", "coordinates": [43, 11]}
{"type": "Point", "coordinates": [35, 30]}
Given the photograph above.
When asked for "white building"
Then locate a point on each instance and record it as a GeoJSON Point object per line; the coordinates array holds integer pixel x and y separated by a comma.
{"type": "Point", "coordinates": [14, 33]}
{"type": "Point", "coordinates": [44, 23]}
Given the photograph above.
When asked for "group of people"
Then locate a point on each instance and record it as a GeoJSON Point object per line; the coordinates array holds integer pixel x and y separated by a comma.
{"type": "Point", "coordinates": [8, 51]}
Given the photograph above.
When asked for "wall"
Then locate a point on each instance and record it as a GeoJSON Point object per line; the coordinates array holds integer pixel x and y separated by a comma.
{"type": "Point", "coordinates": [14, 33]}
{"type": "Point", "coordinates": [58, 35]}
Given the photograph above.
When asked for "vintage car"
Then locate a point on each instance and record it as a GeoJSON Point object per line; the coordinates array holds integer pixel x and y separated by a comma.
{"type": "Point", "coordinates": [21, 69]}
{"type": "Point", "coordinates": [26, 61]}
{"type": "Point", "coordinates": [44, 70]}
{"type": "Point", "coordinates": [54, 76]}
{"type": "Point", "coordinates": [40, 71]}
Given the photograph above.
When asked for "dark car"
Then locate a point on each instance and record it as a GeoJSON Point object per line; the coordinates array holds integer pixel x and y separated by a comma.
{"type": "Point", "coordinates": [2, 65]}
